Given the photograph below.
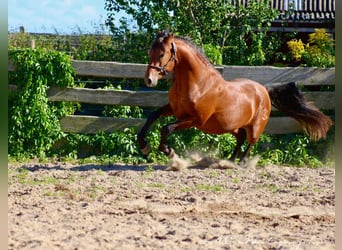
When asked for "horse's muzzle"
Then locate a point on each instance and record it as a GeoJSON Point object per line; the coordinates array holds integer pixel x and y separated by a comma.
{"type": "Point", "coordinates": [151, 80]}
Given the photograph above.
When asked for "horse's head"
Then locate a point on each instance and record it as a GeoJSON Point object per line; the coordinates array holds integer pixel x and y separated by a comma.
{"type": "Point", "coordinates": [162, 58]}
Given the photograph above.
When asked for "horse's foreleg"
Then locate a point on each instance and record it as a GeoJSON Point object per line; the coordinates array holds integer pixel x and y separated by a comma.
{"type": "Point", "coordinates": [153, 116]}
{"type": "Point", "coordinates": [167, 130]}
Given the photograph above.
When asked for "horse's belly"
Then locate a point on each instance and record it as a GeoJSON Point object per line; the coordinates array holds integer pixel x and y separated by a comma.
{"type": "Point", "coordinates": [215, 126]}
{"type": "Point", "coordinates": [213, 130]}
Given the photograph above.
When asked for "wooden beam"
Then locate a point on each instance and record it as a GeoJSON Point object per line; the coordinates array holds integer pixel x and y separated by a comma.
{"type": "Point", "coordinates": [269, 74]}
{"type": "Point", "coordinates": [96, 124]}
{"type": "Point", "coordinates": [262, 74]}
{"type": "Point", "coordinates": [109, 69]}
{"type": "Point", "coordinates": [115, 69]}
{"type": "Point", "coordinates": [109, 97]}
{"type": "Point", "coordinates": [282, 125]}
{"type": "Point", "coordinates": [298, 29]}
{"type": "Point", "coordinates": [322, 100]}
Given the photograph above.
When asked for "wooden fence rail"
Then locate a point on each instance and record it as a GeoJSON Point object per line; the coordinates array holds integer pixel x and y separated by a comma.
{"type": "Point", "coordinates": [324, 100]}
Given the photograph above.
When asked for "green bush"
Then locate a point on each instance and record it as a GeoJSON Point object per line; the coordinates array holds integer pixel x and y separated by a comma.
{"type": "Point", "coordinates": [33, 121]}
{"type": "Point", "coordinates": [318, 52]}
{"type": "Point", "coordinates": [213, 53]}
{"type": "Point", "coordinates": [316, 57]}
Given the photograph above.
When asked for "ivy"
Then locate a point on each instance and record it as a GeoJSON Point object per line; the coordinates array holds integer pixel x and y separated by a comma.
{"type": "Point", "coordinates": [33, 120]}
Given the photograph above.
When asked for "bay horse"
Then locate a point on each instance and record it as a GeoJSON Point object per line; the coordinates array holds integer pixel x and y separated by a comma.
{"type": "Point", "coordinates": [200, 97]}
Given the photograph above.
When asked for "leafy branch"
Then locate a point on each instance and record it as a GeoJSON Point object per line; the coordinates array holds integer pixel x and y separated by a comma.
{"type": "Point", "coordinates": [33, 121]}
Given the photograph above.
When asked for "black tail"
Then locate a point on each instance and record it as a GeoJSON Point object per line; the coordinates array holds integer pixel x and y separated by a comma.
{"type": "Point", "coordinates": [287, 98]}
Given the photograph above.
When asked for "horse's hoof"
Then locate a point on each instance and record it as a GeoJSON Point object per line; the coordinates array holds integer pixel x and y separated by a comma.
{"type": "Point", "coordinates": [145, 150]}
{"type": "Point", "coordinates": [171, 153]}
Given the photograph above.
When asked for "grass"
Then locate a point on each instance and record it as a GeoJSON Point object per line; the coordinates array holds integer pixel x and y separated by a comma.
{"type": "Point", "coordinates": [209, 187]}
{"type": "Point", "coordinates": [273, 188]}
{"type": "Point", "coordinates": [229, 172]}
{"type": "Point", "coordinates": [156, 185]}
{"type": "Point", "coordinates": [148, 170]}
{"type": "Point", "coordinates": [235, 180]}
{"type": "Point", "coordinates": [185, 189]}
{"type": "Point", "coordinates": [213, 174]}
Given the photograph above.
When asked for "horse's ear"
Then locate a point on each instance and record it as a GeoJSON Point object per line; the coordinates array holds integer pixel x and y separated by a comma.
{"type": "Point", "coordinates": [170, 37]}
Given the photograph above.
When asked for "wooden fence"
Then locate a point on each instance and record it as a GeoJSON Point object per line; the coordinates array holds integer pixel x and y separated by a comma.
{"type": "Point", "coordinates": [324, 100]}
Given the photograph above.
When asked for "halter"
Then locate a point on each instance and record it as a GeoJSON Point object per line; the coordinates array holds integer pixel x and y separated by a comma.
{"type": "Point", "coordinates": [162, 69]}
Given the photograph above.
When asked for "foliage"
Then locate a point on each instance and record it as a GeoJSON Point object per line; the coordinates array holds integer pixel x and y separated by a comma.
{"type": "Point", "coordinates": [289, 149]}
{"type": "Point", "coordinates": [131, 47]}
{"type": "Point", "coordinates": [79, 46]}
{"type": "Point", "coordinates": [296, 48]}
{"type": "Point", "coordinates": [292, 149]}
{"type": "Point", "coordinates": [213, 53]}
{"type": "Point", "coordinates": [238, 31]}
{"type": "Point", "coordinates": [315, 57]}
{"type": "Point", "coordinates": [322, 40]}
{"type": "Point", "coordinates": [319, 51]}
{"type": "Point", "coordinates": [33, 121]}
{"type": "Point", "coordinates": [121, 110]}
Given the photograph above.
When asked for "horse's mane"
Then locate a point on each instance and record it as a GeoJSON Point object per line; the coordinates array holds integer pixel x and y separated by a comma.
{"type": "Point", "coordinates": [161, 35]}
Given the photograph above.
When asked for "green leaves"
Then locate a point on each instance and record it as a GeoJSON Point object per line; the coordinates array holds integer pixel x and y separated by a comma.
{"type": "Point", "coordinates": [238, 31]}
{"type": "Point", "coordinates": [33, 121]}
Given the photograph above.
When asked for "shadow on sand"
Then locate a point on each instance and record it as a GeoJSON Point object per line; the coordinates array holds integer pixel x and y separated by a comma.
{"type": "Point", "coordinates": [89, 167]}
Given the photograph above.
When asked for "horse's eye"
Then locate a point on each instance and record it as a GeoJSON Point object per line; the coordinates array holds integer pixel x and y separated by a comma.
{"type": "Point", "coordinates": [161, 56]}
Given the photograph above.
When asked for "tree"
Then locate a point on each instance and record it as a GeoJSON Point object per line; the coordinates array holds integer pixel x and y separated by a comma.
{"type": "Point", "coordinates": [238, 31]}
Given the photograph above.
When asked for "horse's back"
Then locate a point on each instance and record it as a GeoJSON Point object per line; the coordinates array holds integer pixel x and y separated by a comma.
{"type": "Point", "coordinates": [246, 82]}
{"type": "Point", "coordinates": [243, 103]}
{"type": "Point", "coordinates": [246, 87]}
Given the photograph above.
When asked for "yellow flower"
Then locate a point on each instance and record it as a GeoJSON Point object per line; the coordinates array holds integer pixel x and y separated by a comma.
{"type": "Point", "coordinates": [296, 48]}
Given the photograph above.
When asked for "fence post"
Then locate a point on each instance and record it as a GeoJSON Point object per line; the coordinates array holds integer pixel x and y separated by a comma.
{"type": "Point", "coordinates": [33, 44]}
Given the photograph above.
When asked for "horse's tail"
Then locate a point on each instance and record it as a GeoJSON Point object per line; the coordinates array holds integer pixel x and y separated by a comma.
{"type": "Point", "coordinates": [287, 98]}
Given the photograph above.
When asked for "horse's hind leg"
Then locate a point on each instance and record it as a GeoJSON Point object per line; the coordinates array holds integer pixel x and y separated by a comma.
{"type": "Point", "coordinates": [253, 133]}
{"type": "Point", "coordinates": [154, 115]}
{"type": "Point", "coordinates": [240, 139]}
{"type": "Point", "coordinates": [245, 154]}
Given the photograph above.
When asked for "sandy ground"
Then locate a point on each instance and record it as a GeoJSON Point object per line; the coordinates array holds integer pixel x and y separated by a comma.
{"type": "Point", "coordinates": [65, 206]}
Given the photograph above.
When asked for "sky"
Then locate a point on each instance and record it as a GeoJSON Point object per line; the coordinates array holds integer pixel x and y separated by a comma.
{"type": "Point", "coordinates": [62, 16]}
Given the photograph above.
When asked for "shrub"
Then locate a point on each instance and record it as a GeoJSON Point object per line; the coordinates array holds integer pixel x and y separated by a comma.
{"type": "Point", "coordinates": [318, 52]}
{"type": "Point", "coordinates": [213, 53]}
{"type": "Point", "coordinates": [296, 48]}
{"type": "Point", "coordinates": [33, 121]}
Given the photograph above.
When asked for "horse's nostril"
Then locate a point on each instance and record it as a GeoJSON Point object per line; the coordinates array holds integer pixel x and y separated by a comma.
{"type": "Point", "coordinates": [149, 80]}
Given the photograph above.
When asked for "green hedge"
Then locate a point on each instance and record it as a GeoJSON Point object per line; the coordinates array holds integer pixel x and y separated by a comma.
{"type": "Point", "coordinates": [33, 121]}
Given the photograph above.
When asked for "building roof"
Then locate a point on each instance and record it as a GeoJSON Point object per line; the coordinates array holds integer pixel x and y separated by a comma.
{"type": "Point", "coordinates": [303, 10]}
{"type": "Point", "coordinates": [308, 16]}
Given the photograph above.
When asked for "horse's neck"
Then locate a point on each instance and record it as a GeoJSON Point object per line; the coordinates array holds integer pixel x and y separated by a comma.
{"type": "Point", "coordinates": [191, 74]}
{"type": "Point", "coordinates": [190, 66]}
